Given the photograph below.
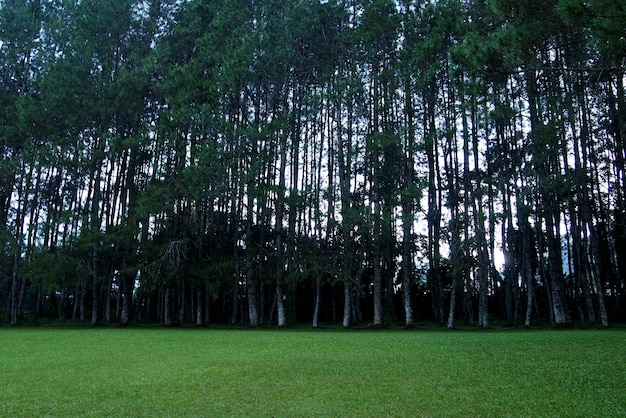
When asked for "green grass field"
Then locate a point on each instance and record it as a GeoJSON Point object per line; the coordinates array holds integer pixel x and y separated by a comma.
{"type": "Point", "coordinates": [290, 373]}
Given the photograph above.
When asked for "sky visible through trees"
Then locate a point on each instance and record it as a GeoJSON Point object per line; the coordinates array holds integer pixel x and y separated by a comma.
{"type": "Point", "coordinates": [271, 162]}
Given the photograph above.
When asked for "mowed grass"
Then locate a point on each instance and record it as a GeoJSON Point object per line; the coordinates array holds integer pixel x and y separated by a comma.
{"type": "Point", "coordinates": [291, 373]}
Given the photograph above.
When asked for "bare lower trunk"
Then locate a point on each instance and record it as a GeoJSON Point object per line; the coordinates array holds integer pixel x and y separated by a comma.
{"type": "Point", "coordinates": [604, 320]}
{"type": "Point", "coordinates": [452, 308]}
{"type": "Point", "coordinates": [95, 306]}
{"type": "Point", "coordinates": [483, 277]}
{"type": "Point", "coordinates": [406, 296]}
{"type": "Point", "coordinates": [235, 310]}
{"type": "Point", "coordinates": [527, 257]}
{"type": "Point", "coordinates": [378, 296]}
{"type": "Point", "coordinates": [77, 300]}
{"type": "Point", "coordinates": [20, 299]}
{"type": "Point", "coordinates": [125, 312]}
{"type": "Point", "coordinates": [207, 305]}
{"type": "Point", "coordinates": [127, 297]}
{"type": "Point", "coordinates": [347, 303]}
{"type": "Point", "coordinates": [199, 313]}
{"type": "Point", "coordinates": [107, 300]}
{"type": "Point", "coordinates": [36, 312]}
{"type": "Point", "coordinates": [262, 301]}
{"type": "Point", "coordinates": [82, 314]}
{"type": "Point", "coordinates": [530, 301]}
{"type": "Point", "coordinates": [167, 308]}
{"type": "Point", "coordinates": [436, 294]}
{"type": "Point", "coordinates": [318, 294]}
{"type": "Point", "coordinates": [14, 291]}
{"type": "Point", "coordinates": [556, 273]}
{"type": "Point", "coordinates": [253, 314]}
{"type": "Point", "coordinates": [182, 303]}
{"type": "Point", "coordinates": [280, 306]}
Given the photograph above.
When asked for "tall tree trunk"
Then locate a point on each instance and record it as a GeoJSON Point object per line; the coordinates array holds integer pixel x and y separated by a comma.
{"type": "Point", "coordinates": [546, 166]}
{"type": "Point", "coordinates": [126, 294]}
{"type": "Point", "coordinates": [108, 298]}
{"type": "Point", "coordinates": [82, 310]}
{"type": "Point", "coordinates": [207, 305]}
{"type": "Point", "coordinates": [527, 256]}
{"type": "Point", "coordinates": [95, 304]}
{"type": "Point", "coordinates": [252, 296]}
{"type": "Point", "coordinates": [484, 267]}
{"type": "Point", "coordinates": [597, 274]}
{"type": "Point", "coordinates": [407, 274]}
{"type": "Point", "coordinates": [199, 303]}
{"type": "Point", "coordinates": [452, 311]}
{"type": "Point", "coordinates": [318, 296]}
{"type": "Point", "coordinates": [281, 319]}
{"type": "Point", "coordinates": [555, 266]}
{"type": "Point", "coordinates": [14, 290]}
{"type": "Point", "coordinates": [378, 294]}
{"type": "Point", "coordinates": [344, 152]}
{"type": "Point", "coordinates": [167, 307]}
{"type": "Point", "coordinates": [347, 303]}
{"type": "Point", "coordinates": [434, 212]}
{"type": "Point", "coordinates": [280, 251]}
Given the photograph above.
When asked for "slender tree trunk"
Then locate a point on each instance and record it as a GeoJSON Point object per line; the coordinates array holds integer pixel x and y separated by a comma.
{"type": "Point", "coordinates": [234, 309]}
{"type": "Point", "coordinates": [20, 213]}
{"type": "Point", "coordinates": [378, 295]}
{"type": "Point", "coordinates": [407, 274]}
{"type": "Point", "coordinates": [126, 294]}
{"type": "Point", "coordinates": [509, 239]}
{"type": "Point", "coordinates": [182, 302]}
{"type": "Point", "coordinates": [434, 213]}
{"type": "Point", "coordinates": [95, 305]}
{"type": "Point", "coordinates": [280, 307]}
{"type": "Point", "coordinates": [344, 160]}
{"type": "Point", "coordinates": [14, 290]}
{"type": "Point", "coordinates": [347, 303]}
{"type": "Point", "coordinates": [595, 249]}
{"type": "Point", "coordinates": [452, 311]}
{"type": "Point", "coordinates": [37, 308]}
{"type": "Point", "coordinates": [199, 311]}
{"type": "Point", "coordinates": [527, 270]}
{"type": "Point", "coordinates": [555, 265]}
{"type": "Point", "coordinates": [207, 305]}
{"type": "Point", "coordinates": [126, 304]}
{"type": "Point", "coordinates": [410, 193]}
{"type": "Point", "coordinates": [280, 266]}
{"type": "Point", "coordinates": [459, 270]}
{"type": "Point", "coordinates": [251, 287]}
{"type": "Point", "coordinates": [251, 280]}
{"type": "Point", "coordinates": [77, 299]}
{"type": "Point", "coordinates": [107, 299]}
{"type": "Point", "coordinates": [318, 297]}
{"type": "Point", "coordinates": [167, 307]}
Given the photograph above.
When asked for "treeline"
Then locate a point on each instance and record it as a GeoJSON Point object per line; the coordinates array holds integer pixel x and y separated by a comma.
{"type": "Point", "coordinates": [267, 162]}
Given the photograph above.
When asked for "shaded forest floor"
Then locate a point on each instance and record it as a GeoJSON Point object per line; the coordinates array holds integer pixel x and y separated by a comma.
{"type": "Point", "coordinates": [323, 326]}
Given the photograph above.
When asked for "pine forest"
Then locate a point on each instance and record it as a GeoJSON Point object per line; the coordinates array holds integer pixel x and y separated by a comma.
{"type": "Point", "coordinates": [269, 162]}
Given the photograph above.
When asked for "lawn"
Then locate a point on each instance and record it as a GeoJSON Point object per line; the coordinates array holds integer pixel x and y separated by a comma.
{"type": "Point", "coordinates": [290, 373]}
